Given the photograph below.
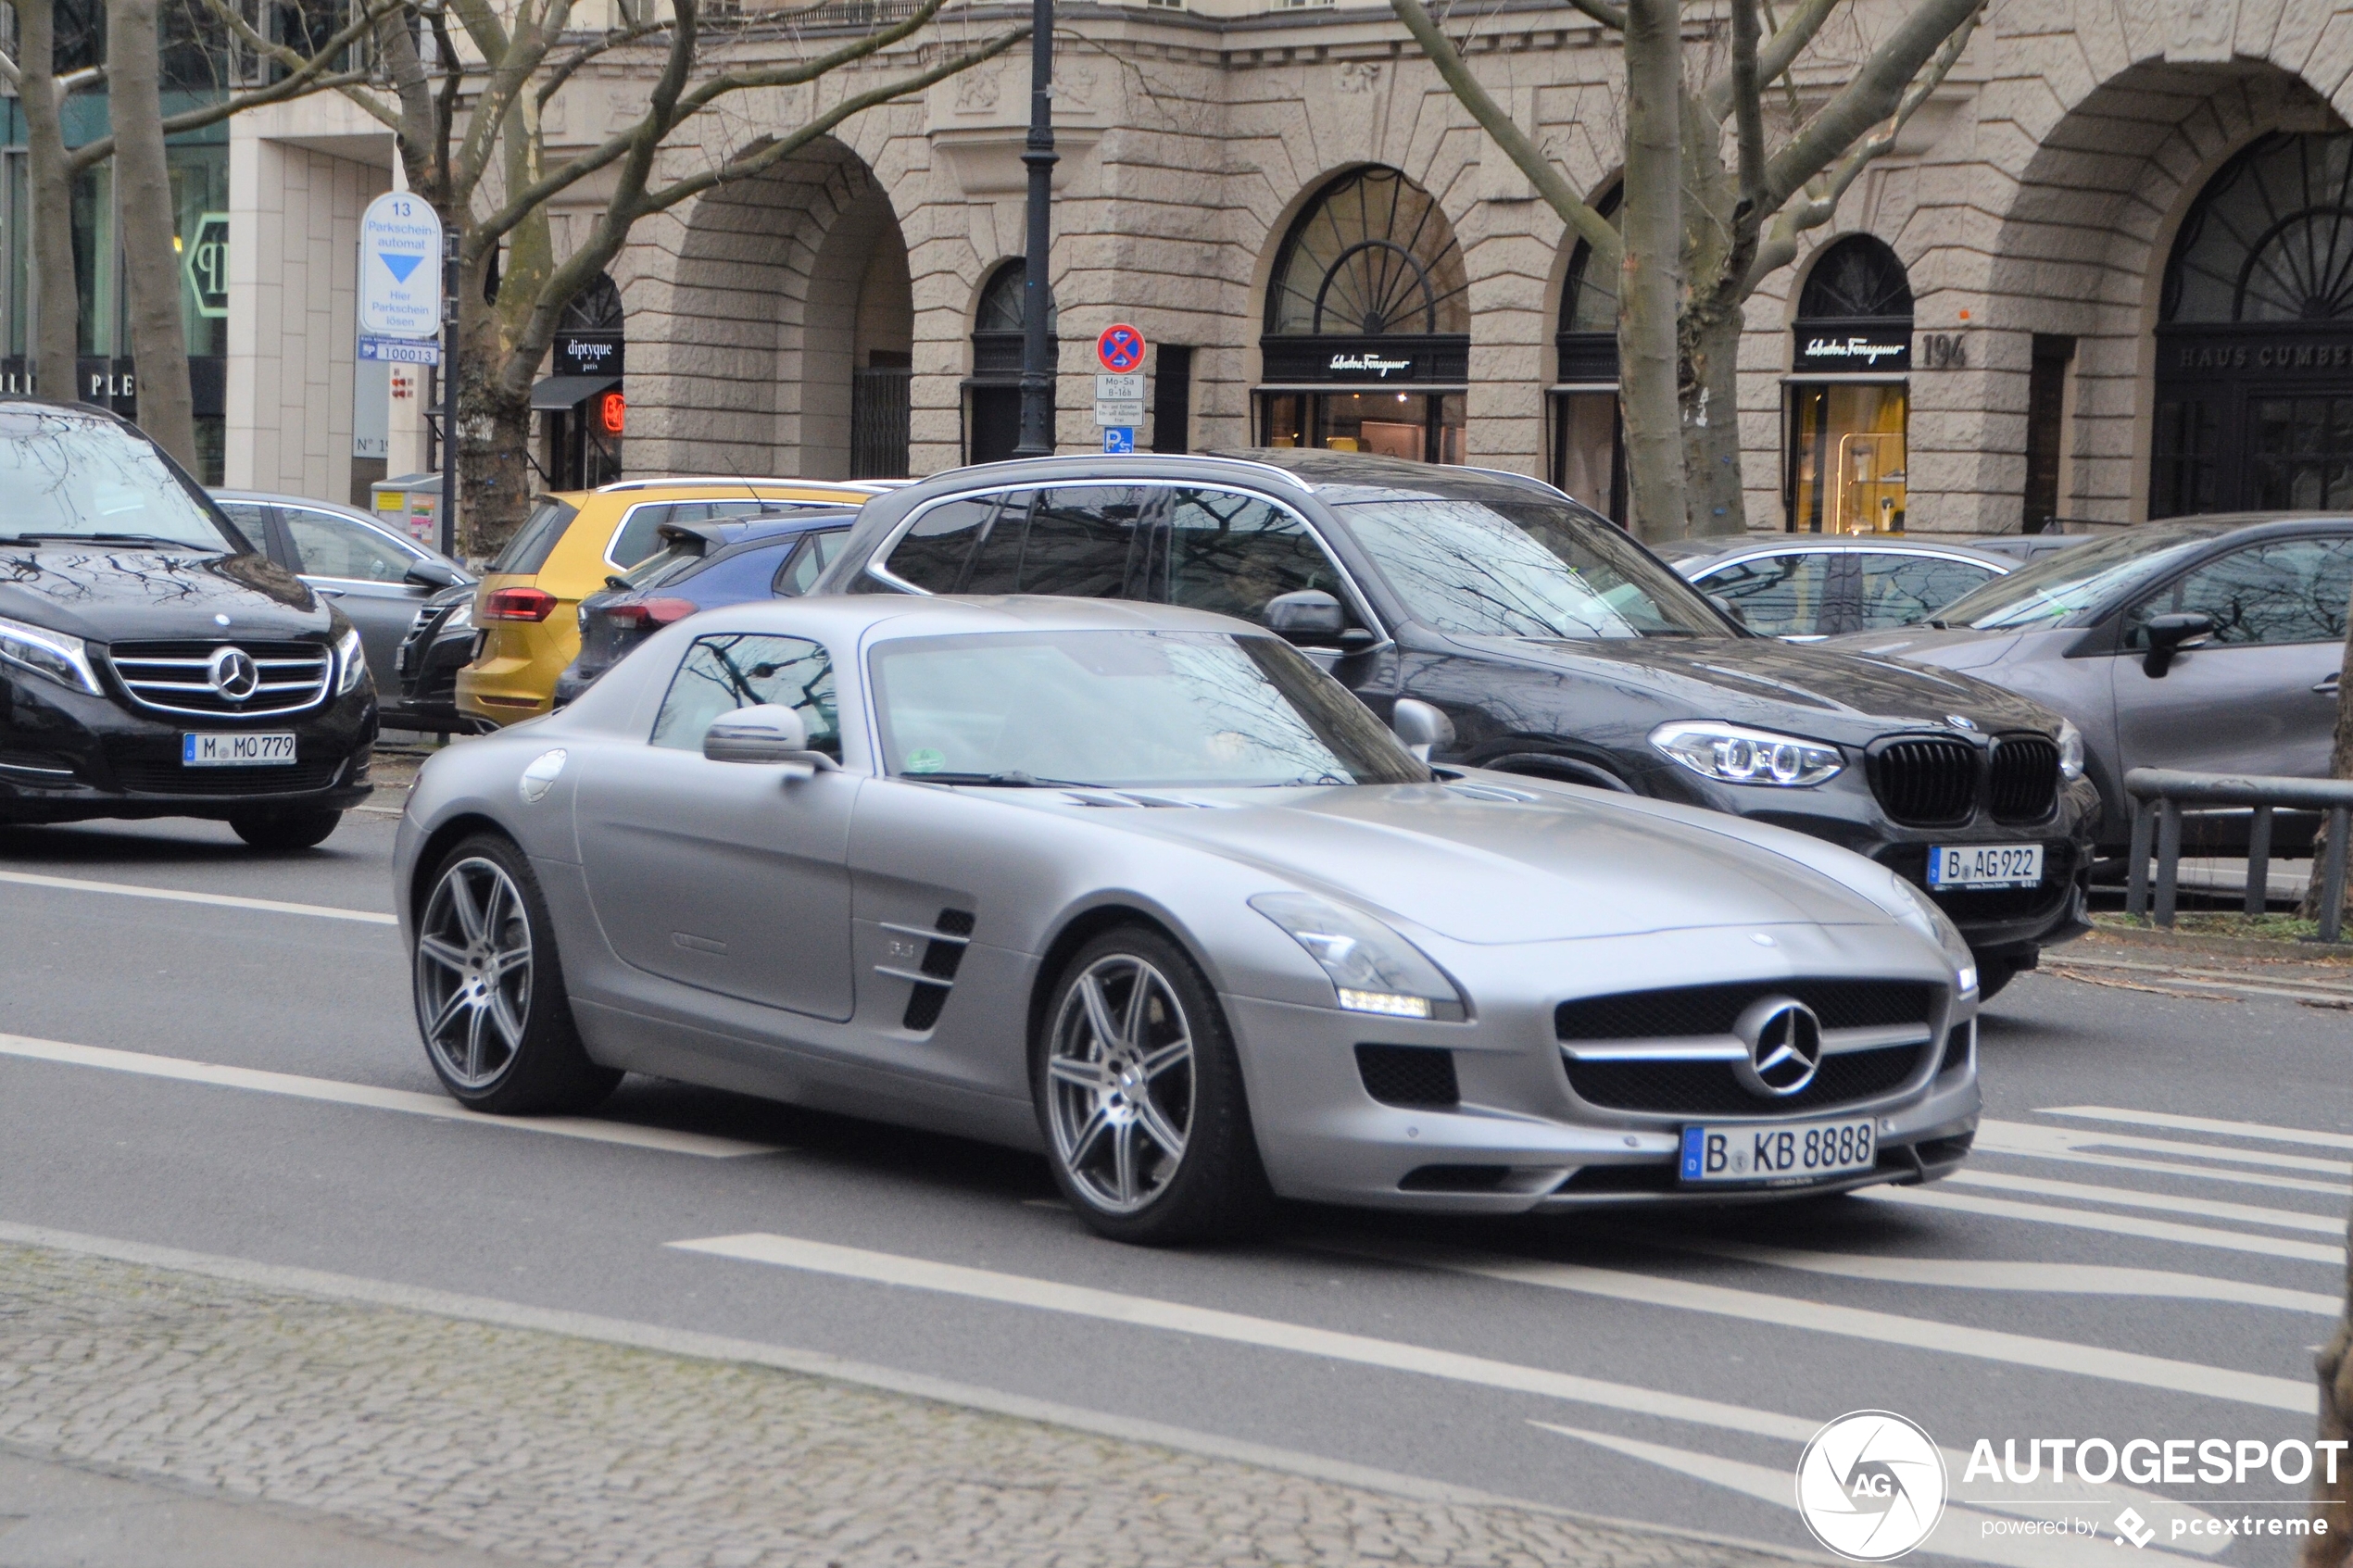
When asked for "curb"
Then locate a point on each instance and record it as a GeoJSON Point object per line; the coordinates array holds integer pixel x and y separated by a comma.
{"type": "Point", "coordinates": [2192, 942]}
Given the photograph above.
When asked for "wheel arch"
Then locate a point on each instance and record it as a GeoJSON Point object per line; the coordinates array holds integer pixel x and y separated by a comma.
{"type": "Point", "coordinates": [1083, 926]}
{"type": "Point", "coordinates": [1561, 767]}
{"type": "Point", "coordinates": [438, 844]}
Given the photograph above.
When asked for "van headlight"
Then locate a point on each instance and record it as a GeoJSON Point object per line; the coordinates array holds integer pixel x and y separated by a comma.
{"type": "Point", "coordinates": [1733, 754]}
{"type": "Point", "coordinates": [1371, 968]}
{"type": "Point", "coordinates": [51, 654]}
{"type": "Point", "coordinates": [1924, 917]}
{"type": "Point", "coordinates": [351, 661]}
{"type": "Point", "coordinates": [2070, 751]}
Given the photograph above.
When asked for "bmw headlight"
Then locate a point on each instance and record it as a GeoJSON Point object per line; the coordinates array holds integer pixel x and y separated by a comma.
{"type": "Point", "coordinates": [1732, 753]}
{"type": "Point", "coordinates": [351, 661]}
{"type": "Point", "coordinates": [2071, 747]}
{"type": "Point", "coordinates": [51, 653]}
{"type": "Point", "coordinates": [1371, 968]}
{"type": "Point", "coordinates": [1937, 926]}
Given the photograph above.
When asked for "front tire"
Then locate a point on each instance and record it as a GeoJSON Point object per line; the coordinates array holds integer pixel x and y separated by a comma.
{"type": "Point", "coordinates": [489, 989]}
{"type": "Point", "coordinates": [1140, 1092]}
{"type": "Point", "coordinates": [284, 830]}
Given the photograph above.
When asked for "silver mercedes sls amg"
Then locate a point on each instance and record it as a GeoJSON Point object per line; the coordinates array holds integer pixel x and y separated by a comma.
{"type": "Point", "coordinates": [1144, 889]}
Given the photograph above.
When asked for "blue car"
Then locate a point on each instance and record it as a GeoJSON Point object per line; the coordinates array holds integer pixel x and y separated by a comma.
{"type": "Point", "coordinates": [702, 566]}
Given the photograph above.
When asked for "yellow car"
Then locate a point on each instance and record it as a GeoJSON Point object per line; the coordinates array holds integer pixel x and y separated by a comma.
{"type": "Point", "coordinates": [571, 543]}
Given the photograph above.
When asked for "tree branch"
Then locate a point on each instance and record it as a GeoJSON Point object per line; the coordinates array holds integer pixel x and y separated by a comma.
{"type": "Point", "coordinates": [1550, 184]}
{"type": "Point", "coordinates": [304, 67]}
{"type": "Point", "coordinates": [526, 48]}
{"type": "Point", "coordinates": [1779, 53]}
{"type": "Point", "coordinates": [1877, 91]}
{"type": "Point", "coordinates": [1603, 12]}
{"type": "Point", "coordinates": [563, 71]}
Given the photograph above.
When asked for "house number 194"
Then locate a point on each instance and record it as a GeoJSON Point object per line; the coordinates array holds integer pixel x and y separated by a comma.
{"type": "Point", "coordinates": [1944, 351]}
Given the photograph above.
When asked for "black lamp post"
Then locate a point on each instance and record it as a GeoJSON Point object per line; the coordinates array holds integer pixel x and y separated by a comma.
{"type": "Point", "coordinates": [1037, 153]}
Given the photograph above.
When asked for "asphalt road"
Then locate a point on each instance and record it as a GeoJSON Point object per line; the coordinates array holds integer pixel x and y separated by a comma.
{"type": "Point", "coordinates": [2149, 1243]}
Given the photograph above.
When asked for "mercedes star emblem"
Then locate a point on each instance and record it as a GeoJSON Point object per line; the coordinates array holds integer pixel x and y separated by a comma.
{"type": "Point", "coordinates": [233, 674]}
{"type": "Point", "coordinates": [1784, 1046]}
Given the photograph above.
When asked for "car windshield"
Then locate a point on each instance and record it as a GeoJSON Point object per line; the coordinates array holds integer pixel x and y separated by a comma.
{"type": "Point", "coordinates": [2076, 578]}
{"type": "Point", "coordinates": [64, 478]}
{"type": "Point", "coordinates": [1523, 567]}
{"type": "Point", "coordinates": [1124, 710]}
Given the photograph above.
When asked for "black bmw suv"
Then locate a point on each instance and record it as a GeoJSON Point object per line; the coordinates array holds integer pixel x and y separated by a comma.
{"type": "Point", "coordinates": [1555, 645]}
{"type": "Point", "coordinates": [152, 662]}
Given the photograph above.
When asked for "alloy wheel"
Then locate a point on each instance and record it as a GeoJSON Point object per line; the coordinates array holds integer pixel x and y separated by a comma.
{"type": "Point", "coordinates": [1119, 1068]}
{"type": "Point", "coordinates": [473, 972]}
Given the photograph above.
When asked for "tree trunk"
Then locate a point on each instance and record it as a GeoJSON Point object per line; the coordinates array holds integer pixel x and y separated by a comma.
{"type": "Point", "coordinates": [1710, 342]}
{"type": "Point", "coordinates": [2332, 1502]}
{"type": "Point", "coordinates": [143, 190]}
{"type": "Point", "coordinates": [2340, 767]}
{"type": "Point", "coordinates": [57, 338]}
{"type": "Point", "coordinates": [1650, 290]}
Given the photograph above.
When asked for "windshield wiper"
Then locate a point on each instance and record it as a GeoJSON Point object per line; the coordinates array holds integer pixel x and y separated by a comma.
{"type": "Point", "coordinates": [1668, 632]}
{"type": "Point", "coordinates": [1012, 778]}
{"type": "Point", "coordinates": [105, 539]}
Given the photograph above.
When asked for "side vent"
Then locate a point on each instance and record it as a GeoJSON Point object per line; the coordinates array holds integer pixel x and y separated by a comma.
{"type": "Point", "coordinates": [935, 977]}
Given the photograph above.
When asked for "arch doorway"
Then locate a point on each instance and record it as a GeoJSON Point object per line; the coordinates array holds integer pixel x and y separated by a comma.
{"type": "Point", "coordinates": [2255, 336]}
{"type": "Point", "coordinates": [581, 403]}
{"type": "Point", "coordinates": [1847, 402]}
{"type": "Point", "coordinates": [992, 397]}
{"type": "Point", "coordinates": [1367, 339]}
{"type": "Point", "coordinates": [1589, 434]}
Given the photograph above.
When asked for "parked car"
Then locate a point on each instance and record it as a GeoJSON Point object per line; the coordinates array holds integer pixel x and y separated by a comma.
{"type": "Point", "coordinates": [702, 566]}
{"type": "Point", "coordinates": [2213, 643]}
{"type": "Point", "coordinates": [439, 644]}
{"type": "Point", "coordinates": [154, 662]}
{"type": "Point", "coordinates": [2023, 548]}
{"type": "Point", "coordinates": [576, 542]}
{"type": "Point", "coordinates": [1143, 888]}
{"type": "Point", "coordinates": [1557, 646]}
{"type": "Point", "coordinates": [376, 576]}
{"type": "Point", "coordinates": [1802, 587]}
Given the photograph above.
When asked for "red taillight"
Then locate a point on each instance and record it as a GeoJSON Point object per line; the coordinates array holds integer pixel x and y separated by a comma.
{"type": "Point", "coordinates": [519, 604]}
{"type": "Point", "coordinates": [649, 612]}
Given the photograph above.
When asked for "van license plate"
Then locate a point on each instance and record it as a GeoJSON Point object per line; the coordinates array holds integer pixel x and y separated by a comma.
{"type": "Point", "coordinates": [235, 751]}
{"type": "Point", "coordinates": [1787, 1151]}
{"type": "Point", "coordinates": [1986, 865]}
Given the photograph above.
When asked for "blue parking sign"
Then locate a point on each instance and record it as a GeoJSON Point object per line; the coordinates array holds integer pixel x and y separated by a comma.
{"type": "Point", "coordinates": [1119, 441]}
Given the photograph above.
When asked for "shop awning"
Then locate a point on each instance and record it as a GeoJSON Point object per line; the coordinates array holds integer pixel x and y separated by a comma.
{"type": "Point", "coordinates": [565, 392]}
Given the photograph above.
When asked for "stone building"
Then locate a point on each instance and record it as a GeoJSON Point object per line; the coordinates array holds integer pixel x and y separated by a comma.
{"type": "Point", "coordinates": [2105, 274]}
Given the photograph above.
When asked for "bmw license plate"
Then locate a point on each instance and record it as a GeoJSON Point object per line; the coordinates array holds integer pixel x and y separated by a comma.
{"type": "Point", "coordinates": [1986, 865]}
{"type": "Point", "coordinates": [1793, 1151]}
{"type": "Point", "coordinates": [235, 751]}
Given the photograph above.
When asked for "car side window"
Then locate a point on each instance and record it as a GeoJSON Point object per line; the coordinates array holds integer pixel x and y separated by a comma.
{"type": "Point", "coordinates": [641, 529]}
{"type": "Point", "coordinates": [730, 669]}
{"type": "Point", "coordinates": [253, 520]}
{"type": "Point", "coordinates": [933, 554]}
{"type": "Point", "coordinates": [1082, 541]}
{"type": "Point", "coordinates": [805, 565]}
{"type": "Point", "coordinates": [2284, 591]}
{"type": "Point", "coordinates": [1781, 595]}
{"type": "Point", "coordinates": [328, 546]}
{"type": "Point", "coordinates": [1901, 589]}
{"type": "Point", "coordinates": [1230, 553]}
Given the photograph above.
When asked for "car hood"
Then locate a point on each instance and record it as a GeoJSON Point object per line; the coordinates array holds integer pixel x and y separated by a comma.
{"type": "Point", "coordinates": [1820, 692]}
{"type": "Point", "coordinates": [107, 594]}
{"type": "Point", "coordinates": [1957, 647]}
{"type": "Point", "coordinates": [1480, 863]}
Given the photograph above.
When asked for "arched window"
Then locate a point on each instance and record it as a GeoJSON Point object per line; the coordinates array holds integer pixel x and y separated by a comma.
{"type": "Point", "coordinates": [1367, 326]}
{"type": "Point", "coordinates": [2270, 238]}
{"type": "Point", "coordinates": [1589, 298]}
{"type": "Point", "coordinates": [1849, 402]}
{"type": "Point", "coordinates": [1589, 456]}
{"type": "Point", "coordinates": [1857, 277]}
{"type": "Point", "coordinates": [993, 408]}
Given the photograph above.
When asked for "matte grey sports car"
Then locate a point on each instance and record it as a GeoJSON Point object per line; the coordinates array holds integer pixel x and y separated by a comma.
{"type": "Point", "coordinates": [1145, 889]}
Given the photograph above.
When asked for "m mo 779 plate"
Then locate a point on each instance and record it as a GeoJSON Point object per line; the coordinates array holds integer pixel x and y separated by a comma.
{"type": "Point", "coordinates": [235, 751]}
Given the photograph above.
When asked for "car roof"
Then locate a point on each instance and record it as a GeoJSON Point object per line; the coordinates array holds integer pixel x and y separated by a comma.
{"type": "Point", "coordinates": [271, 499]}
{"type": "Point", "coordinates": [691, 482]}
{"type": "Point", "coordinates": [1691, 561]}
{"type": "Point", "coordinates": [895, 616]}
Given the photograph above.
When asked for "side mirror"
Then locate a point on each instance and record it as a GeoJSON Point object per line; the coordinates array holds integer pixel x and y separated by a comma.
{"type": "Point", "coordinates": [430, 574]}
{"type": "Point", "coordinates": [1310, 615]}
{"type": "Point", "coordinates": [769, 734]}
{"type": "Point", "coordinates": [1731, 610]}
{"type": "Point", "coordinates": [2169, 634]}
{"type": "Point", "coordinates": [1421, 727]}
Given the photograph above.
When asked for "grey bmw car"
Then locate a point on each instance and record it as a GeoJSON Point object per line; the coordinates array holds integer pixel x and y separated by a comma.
{"type": "Point", "coordinates": [1143, 888]}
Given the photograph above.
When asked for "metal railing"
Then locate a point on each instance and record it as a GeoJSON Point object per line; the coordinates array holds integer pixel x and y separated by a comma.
{"type": "Point", "coordinates": [2168, 791]}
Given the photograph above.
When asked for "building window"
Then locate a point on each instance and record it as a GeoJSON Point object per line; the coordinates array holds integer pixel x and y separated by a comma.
{"type": "Point", "coordinates": [992, 395]}
{"type": "Point", "coordinates": [1173, 399]}
{"type": "Point", "coordinates": [1847, 402]}
{"type": "Point", "coordinates": [2045, 428]}
{"type": "Point", "coordinates": [581, 398]}
{"type": "Point", "coordinates": [1588, 436]}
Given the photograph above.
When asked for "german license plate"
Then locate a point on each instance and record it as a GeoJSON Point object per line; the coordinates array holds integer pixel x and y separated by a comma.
{"type": "Point", "coordinates": [1986, 865]}
{"type": "Point", "coordinates": [1786, 1151]}
{"type": "Point", "coordinates": [235, 751]}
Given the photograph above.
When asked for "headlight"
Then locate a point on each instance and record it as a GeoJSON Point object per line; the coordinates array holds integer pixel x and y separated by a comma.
{"type": "Point", "coordinates": [2070, 744]}
{"type": "Point", "coordinates": [1371, 968]}
{"type": "Point", "coordinates": [1732, 754]}
{"type": "Point", "coordinates": [351, 661]}
{"type": "Point", "coordinates": [459, 619]}
{"type": "Point", "coordinates": [1938, 927]}
{"type": "Point", "coordinates": [62, 659]}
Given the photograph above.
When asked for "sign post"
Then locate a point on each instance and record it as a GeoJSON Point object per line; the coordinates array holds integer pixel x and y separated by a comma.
{"type": "Point", "coordinates": [1119, 386]}
{"type": "Point", "coordinates": [403, 298]}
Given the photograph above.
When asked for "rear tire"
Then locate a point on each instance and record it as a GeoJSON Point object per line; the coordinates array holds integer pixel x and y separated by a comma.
{"type": "Point", "coordinates": [284, 830]}
{"type": "Point", "coordinates": [489, 989]}
{"type": "Point", "coordinates": [1139, 1093]}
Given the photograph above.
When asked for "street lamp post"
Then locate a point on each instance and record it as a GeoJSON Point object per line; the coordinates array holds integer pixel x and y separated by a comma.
{"type": "Point", "coordinates": [1037, 154]}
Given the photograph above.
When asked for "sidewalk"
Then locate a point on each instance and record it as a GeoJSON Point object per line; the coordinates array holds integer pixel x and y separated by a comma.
{"type": "Point", "coordinates": [146, 1407]}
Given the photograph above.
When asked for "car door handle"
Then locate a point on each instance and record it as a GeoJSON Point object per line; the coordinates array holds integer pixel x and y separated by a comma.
{"type": "Point", "coordinates": [2329, 686]}
{"type": "Point", "coordinates": [326, 593]}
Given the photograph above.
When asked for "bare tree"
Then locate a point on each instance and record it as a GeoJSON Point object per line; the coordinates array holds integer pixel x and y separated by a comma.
{"type": "Point", "coordinates": [1701, 230]}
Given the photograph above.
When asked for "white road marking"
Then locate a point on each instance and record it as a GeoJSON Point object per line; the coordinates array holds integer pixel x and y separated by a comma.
{"type": "Point", "coordinates": [2024, 1138]}
{"type": "Point", "coordinates": [2134, 1197]}
{"type": "Point", "coordinates": [180, 896]}
{"type": "Point", "coordinates": [2114, 1224]}
{"type": "Point", "coordinates": [1885, 1328]}
{"type": "Point", "coordinates": [2207, 1124]}
{"type": "Point", "coordinates": [2058, 1153]}
{"type": "Point", "coordinates": [338, 1093]}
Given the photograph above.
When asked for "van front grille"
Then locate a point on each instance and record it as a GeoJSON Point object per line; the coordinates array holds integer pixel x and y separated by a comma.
{"type": "Point", "coordinates": [175, 677]}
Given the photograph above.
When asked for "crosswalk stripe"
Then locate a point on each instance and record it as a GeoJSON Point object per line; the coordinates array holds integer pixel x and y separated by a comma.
{"type": "Point", "coordinates": [2114, 1224]}
{"type": "Point", "coordinates": [2213, 1126]}
{"type": "Point", "coordinates": [2023, 1137]}
{"type": "Point", "coordinates": [2336, 1191]}
{"type": "Point", "coordinates": [1885, 1328]}
{"type": "Point", "coordinates": [181, 896]}
{"type": "Point", "coordinates": [2134, 1197]}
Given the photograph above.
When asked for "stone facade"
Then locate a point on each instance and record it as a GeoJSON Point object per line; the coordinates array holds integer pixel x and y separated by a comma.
{"type": "Point", "coordinates": [2037, 193]}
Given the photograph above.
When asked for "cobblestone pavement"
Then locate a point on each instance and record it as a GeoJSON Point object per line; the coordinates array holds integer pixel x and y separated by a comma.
{"type": "Point", "coordinates": [406, 1425]}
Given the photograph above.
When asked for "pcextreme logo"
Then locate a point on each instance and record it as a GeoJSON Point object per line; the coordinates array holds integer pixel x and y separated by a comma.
{"type": "Point", "coordinates": [1870, 1485]}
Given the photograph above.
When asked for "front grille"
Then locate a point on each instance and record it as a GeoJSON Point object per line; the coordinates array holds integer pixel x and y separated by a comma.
{"type": "Point", "coordinates": [1925, 783]}
{"type": "Point", "coordinates": [1682, 1088]}
{"type": "Point", "coordinates": [171, 677]}
{"type": "Point", "coordinates": [1417, 1076]}
{"type": "Point", "coordinates": [1713, 1010]}
{"type": "Point", "coordinates": [170, 778]}
{"type": "Point", "coordinates": [2022, 784]}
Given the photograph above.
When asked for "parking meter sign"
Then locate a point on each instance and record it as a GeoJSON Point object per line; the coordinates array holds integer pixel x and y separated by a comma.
{"type": "Point", "coordinates": [1119, 441]}
{"type": "Point", "coordinates": [1121, 349]}
{"type": "Point", "coordinates": [399, 268]}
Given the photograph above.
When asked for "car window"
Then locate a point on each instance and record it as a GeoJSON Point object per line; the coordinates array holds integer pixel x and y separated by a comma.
{"type": "Point", "coordinates": [1081, 542]}
{"type": "Point", "coordinates": [1230, 553]}
{"type": "Point", "coordinates": [640, 533]}
{"type": "Point", "coordinates": [1785, 596]}
{"type": "Point", "coordinates": [799, 573]}
{"type": "Point", "coordinates": [328, 546]}
{"type": "Point", "coordinates": [1901, 589]}
{"type": "Point", "coordinates": [933, 554]}
{"type": "Point", "coordinates": [252, 518]}
{"type": "Point", "coordinates": [2077, 578]}
{"type": "Point", "coordinates": [535, 541]}
{"type": "Point", "coordinates": [731, 669]}
{"type": "Point", "coordinates": [2285, 591]}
